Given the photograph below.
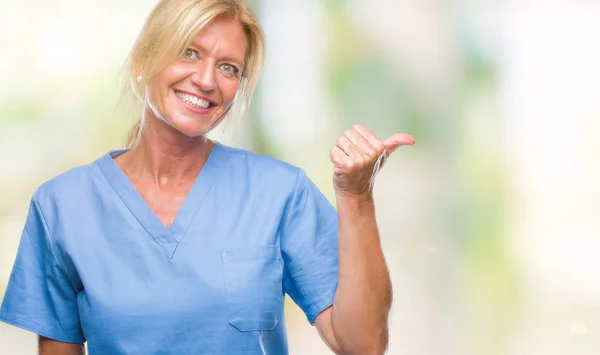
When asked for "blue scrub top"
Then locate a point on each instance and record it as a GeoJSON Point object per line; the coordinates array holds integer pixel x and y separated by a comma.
{"type": "Point", "coordinates": [95, 264]}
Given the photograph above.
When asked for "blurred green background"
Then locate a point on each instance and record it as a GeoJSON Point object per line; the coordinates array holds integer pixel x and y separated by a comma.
{"type": "Point", "coordinates": [490, 224]}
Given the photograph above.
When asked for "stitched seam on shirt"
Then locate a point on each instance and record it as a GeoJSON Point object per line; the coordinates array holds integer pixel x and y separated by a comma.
{"type": "Point", "coordinates": [293, 282]}
{"type": "Point", "coordinates": [289, 212]}
{"type": "Point", "coordinates": [319, 304]}
{"type": "Point", "coordinates": [214, 182]}
{"type": "Point", "coordinates": [49, 237]}
{"type": "Point", "coordinates": [287, 216]}
{"type": "Point", "coordinates": [60, 265]}
{"type": "Point", "coordinates": [320, 299]}
{"type": "Point", "coordinates": [285, 219]}
{"type": "Point", "coordinates": [120, 198]}
{"type": "Point", "coordinates": [19, 318]}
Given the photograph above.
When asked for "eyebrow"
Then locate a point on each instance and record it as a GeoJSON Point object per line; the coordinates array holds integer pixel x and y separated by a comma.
{"type": "Point", "coordinates": [195, 45]}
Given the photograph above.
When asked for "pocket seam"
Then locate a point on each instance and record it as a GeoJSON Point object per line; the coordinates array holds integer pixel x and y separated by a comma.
{"type": "Point", "coordinates": [256, 322]}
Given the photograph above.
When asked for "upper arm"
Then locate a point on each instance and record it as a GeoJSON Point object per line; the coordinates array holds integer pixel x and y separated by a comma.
{"type": "Point", "coordinates": [40, 296]}
{"type": "Point", "coordinates": [53, 347]}
{"type": "Point", "coordinates": [310, 250]}
{"type": "Point", "coordinates": [325, 328]}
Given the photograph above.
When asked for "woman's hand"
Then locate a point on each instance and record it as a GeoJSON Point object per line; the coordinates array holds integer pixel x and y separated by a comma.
{"type": "Point", "coordinates": [358, 156]}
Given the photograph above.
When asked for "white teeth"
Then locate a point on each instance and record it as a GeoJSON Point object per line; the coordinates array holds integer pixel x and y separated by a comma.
{"type": "Point", "coordinates": [193, 100]}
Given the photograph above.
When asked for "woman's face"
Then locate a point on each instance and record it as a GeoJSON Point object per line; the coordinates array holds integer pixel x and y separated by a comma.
{"type": "Point", "coordinates": [195, 92]}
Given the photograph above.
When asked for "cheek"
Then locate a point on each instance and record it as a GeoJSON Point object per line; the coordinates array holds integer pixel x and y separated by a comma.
{"type": "Point", "coordinates": [156, 99]}
{"type": "Point", "coordinates": [153, 96]}
{"type": "Point", "coordinates": [229, 88]}
{"type": "Point", "coordinates": [163, 81]}
{"type": "Point", "coordinates": [155, 103]}
{"type": "Point", "coordinates": [159, 94]}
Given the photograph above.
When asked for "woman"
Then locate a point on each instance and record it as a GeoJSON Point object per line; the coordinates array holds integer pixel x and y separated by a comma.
{"type": "Point", "coordinates": [181, 245]}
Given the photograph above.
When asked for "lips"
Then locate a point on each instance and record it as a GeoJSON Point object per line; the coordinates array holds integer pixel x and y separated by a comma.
{"type": "Point", "coordinates": [194, 101]}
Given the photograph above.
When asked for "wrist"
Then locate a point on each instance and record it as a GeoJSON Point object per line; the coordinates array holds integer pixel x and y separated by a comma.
{"type": "Point", "coordinates": [356, 200]}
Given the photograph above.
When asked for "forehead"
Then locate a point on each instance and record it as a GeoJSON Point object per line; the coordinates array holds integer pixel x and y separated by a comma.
{"type": "Point", "coordinates": [223, 38]}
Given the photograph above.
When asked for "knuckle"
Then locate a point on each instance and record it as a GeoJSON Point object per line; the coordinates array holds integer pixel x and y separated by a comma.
{"type": "Point", "coordinates": [364, 130]}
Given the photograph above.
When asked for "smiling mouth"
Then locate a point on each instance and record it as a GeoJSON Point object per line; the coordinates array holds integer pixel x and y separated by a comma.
{"type": "Point", "coordinates": [194, 100]}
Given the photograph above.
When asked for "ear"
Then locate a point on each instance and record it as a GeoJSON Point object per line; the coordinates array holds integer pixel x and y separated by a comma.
{"type": "Point", "coordinates": [140, 70]}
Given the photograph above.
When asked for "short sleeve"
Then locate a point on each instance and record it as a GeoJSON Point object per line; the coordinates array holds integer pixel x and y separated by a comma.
{"type": "Point", "coordinates": [310, 249]}
{"type": "Point", "coordinates": [39, 297]}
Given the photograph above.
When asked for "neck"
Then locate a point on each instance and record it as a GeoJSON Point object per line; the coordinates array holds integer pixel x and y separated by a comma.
{"type": "Point", "coordinates": [164, 154]}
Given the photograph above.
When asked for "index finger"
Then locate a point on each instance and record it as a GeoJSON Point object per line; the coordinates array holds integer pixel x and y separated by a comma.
{"type": "Point", "coordinates": [370, 137]}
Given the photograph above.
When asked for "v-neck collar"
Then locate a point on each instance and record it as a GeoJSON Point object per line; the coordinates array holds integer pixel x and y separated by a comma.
{"type": "Point", "coordinates": [167, 238]}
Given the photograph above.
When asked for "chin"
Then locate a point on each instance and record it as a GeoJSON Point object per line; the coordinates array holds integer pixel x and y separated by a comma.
{"type": "Point", "coordinates": [191, 131]}
{"type": "Point", "coordinates": [191, 127]}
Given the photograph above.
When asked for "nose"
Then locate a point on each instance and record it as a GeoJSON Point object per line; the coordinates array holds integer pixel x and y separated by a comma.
{"type": "Point", "coordinates": [204, 76]}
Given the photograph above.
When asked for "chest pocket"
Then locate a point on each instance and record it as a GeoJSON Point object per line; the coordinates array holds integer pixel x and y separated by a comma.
{"type": "Point", "coordinates": [253, 282]}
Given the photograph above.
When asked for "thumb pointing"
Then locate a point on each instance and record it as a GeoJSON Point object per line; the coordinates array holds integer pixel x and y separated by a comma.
{"type": "Point", "coordinates": [397, 140]}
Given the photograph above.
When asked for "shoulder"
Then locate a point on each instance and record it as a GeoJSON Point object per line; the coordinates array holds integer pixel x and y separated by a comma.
{"type": "Point", "coordinates": [59, 199]}
{"type": "Point", "coordinates": [68, 185]}
{"type": "Point", "coordinates": [258, 165]}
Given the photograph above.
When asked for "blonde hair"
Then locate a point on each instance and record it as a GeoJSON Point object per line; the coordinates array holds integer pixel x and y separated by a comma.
{"type": "Point", "coordinates": [170, 28]}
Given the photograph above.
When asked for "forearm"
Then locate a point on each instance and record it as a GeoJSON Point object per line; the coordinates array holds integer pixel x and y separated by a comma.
{"type": "Point", "coordinates": [363, 297]}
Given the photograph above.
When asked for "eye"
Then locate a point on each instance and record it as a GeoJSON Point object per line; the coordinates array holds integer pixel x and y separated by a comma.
{"type": "Point", "coordinates": [229, 69]}
{"type": "Point", "coordinates": [190, 54]}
